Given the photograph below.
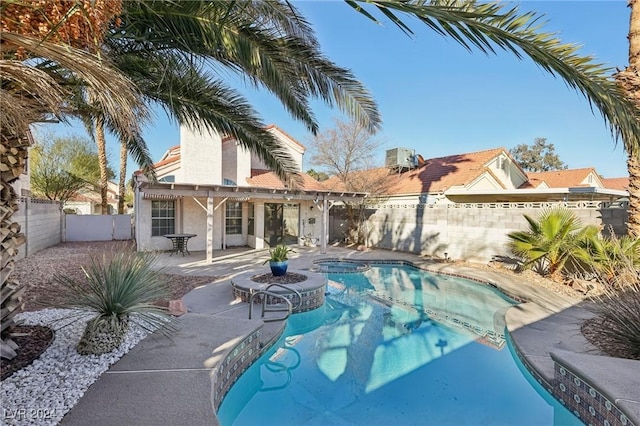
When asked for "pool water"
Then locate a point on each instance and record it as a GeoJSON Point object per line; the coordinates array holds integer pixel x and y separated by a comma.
{"type": "Point", "coordinates": [394, 345]}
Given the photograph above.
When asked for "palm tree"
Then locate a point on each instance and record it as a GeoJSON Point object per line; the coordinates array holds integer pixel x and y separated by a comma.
{"type": "Point", "coordinates": [174, 52]}
{"type": "Point", "coordinates": [42, 60]}
{"type": "Point", "coordinates": [629, 80]}
{"type": "Point", "coordinates": [552, 240]}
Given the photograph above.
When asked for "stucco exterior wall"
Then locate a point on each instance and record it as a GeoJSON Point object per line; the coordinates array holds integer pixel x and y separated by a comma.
{"type": "Point", "coordinates": [200, 155]}
{"type": "Point", "coordinates": [295, 151]}
{"type": "Point", "coordinates": [40, 221]}
{"type": "Point", "coordinates": [229, 162]}
{"type": "Point", "coordinates": [472, 232]}
{"type": "Point", "coordinates": [191, 218]}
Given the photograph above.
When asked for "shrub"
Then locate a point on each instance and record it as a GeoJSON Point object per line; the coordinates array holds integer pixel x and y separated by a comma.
{"type": "Point", "coordinates": [616, 329]}
{"type": "Point", "coordinates": [553, 240]}
{"type": "Point", "coordinates": [118, 289]}
{"type": "Point", "coordinates": [611, 257]}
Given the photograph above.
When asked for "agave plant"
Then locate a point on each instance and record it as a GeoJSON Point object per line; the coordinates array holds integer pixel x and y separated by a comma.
{"type": "Point", "coordinates": [554, 239]}
{"type": "Point", "coordinates": [279, 253]}
{"type": "Point", "coordinates": [118, 290]}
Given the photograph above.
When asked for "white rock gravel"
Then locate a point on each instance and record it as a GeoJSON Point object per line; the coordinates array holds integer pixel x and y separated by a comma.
{"type": "Point", "coordinates": [43, 392]}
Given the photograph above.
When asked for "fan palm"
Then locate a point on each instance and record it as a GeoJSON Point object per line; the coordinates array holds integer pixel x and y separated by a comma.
{"type": "Point", "coordinates": [555, 238]}
{"type": "Point", "coordinates": [610, 256]}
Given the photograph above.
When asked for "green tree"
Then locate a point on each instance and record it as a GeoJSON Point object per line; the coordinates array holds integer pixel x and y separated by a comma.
{"type": "Point", "coordinates": [319, 176]}
{"type": "Point", "coordinates": [537, 157]}
{"type": "Point", "coordinates": [62, 167]}
{"type": "Point", "coordinates": [553, 240]}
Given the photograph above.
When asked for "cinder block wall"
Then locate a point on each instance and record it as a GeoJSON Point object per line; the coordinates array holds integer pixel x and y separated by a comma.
{"type": "Point", "coordinates": [40, 220]}
{"type": "Point", "coordinates": [472, 232]}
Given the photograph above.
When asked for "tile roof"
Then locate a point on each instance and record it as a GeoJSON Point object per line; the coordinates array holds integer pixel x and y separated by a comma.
{"type": "Point", "coordinates": [435, 175]}
{"type": "Point", "coordinates": [558, 178]}
{"type": "Point", "coordinates": [268, 179]}
{"type": "Point", "coordinates": [621, 183]}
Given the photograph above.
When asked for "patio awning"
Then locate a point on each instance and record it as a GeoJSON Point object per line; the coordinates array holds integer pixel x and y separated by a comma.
{"type": "Point", "coordinates": [148, 196]}
{"type": "Point", "coordinates": [171, 191]}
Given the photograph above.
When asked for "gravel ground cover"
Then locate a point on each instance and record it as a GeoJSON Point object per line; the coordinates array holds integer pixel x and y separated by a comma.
{"type": "Point", "coordinates": [43, 392]}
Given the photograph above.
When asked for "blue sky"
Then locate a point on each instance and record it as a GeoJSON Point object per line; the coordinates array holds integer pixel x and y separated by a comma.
{"type": "Point", "coordinates": [439, 99]}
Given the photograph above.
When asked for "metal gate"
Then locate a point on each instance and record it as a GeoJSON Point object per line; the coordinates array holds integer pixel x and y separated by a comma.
{"type": "Point", "coordinates": [98, 227]}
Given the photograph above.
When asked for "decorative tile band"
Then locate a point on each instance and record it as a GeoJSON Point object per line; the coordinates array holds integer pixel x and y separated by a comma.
{"type": "Point", "coordinates": [586, 402]}
{"type": "Point", "coordinates": [311, 299]}
{"type": "Point", "coordinates": [236, 363]}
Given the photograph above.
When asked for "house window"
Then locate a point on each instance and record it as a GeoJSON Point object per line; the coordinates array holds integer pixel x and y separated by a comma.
{"type": "Point", "coordinates": [168, 178]}
{"type": "Point", "coordinates": [226, 181]}
{"type": "Point", "coordinates": [163, 217]}
{"type": "Point", "coordinates": [233, 221]}
{"type": "Point", "coordinates": [252, 223]}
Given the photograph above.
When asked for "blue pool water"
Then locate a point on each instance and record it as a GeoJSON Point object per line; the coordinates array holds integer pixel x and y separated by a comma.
{"type": "Point", "coordinates": [394, 345]}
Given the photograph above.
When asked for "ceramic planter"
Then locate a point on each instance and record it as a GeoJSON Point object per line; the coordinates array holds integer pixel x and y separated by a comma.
{"type": "Point", "coordinates": [278, 269]}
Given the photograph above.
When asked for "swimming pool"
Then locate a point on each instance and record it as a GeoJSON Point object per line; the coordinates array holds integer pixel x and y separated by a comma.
{"type": "Point", "coordinates": [394, 345]}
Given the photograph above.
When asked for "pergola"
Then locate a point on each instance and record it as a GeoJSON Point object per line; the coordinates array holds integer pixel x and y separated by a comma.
{"type": "Point", "coordinates": [217, 195]}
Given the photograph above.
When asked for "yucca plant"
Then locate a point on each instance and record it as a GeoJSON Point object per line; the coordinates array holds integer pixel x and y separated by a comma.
{"type": "Point", "coordinates": [119, 289]}
{"type": "Point", "coordinates": [554, 239]}
{"type": "Point", "coordinates": [616, 329]}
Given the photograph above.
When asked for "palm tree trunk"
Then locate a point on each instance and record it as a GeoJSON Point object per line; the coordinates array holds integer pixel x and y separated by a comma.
{"type": "Point", "coordinates": [102, 159]}
{"type": "Point", "coordinates": [633, 162]}
{"type": "Point", "coordinates": [13, 154]}
{"type": "Point", "coordinates": [123, 175]}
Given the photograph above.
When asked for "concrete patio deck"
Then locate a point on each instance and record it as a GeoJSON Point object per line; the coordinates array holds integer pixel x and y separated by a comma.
{"type": "Point", "coordinates": [169, 382]}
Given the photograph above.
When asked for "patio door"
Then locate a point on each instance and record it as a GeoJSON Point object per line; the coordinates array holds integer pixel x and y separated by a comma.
{"type": "Point", "coordinates": [281, 223]}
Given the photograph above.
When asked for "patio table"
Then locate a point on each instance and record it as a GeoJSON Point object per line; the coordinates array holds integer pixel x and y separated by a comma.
{"type": "Point", "coordinates": [179, 242]}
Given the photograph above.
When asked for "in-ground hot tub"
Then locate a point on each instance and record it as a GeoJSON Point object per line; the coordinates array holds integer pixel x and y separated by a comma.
{"type": "Point", "coordinates": [340, 266]}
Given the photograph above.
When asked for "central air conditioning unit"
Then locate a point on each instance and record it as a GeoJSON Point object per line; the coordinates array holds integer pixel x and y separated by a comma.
{"type": "Point", "coordinates": [400, 158]}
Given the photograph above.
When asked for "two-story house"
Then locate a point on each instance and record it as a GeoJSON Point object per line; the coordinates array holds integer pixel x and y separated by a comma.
{"type": "Point", "coordinates": [213, 187]}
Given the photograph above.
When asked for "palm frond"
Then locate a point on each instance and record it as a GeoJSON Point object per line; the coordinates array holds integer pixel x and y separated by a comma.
{"type": "Point", "coordinates": [114, 94]}
{"type": "Point", "coordinates": [204, 104]}
{"type": "Point", "coordinates": [272, 52]}
{"type": "Point", "coordinates": [491, 26]}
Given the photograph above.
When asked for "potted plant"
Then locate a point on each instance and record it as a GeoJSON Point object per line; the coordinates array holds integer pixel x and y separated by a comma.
{"type": "Point", "coordinates": [278, 259]}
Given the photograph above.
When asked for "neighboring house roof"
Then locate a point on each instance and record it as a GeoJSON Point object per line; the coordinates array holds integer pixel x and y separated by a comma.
{"type": "Point", "coordinates": [559, 178]}
{"type": "Point", "coordinates": [621, 183]}
{"type": "Point", "coordinates": [268, 179]}
{"type": "Point", "coordinates": [434, 176]}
